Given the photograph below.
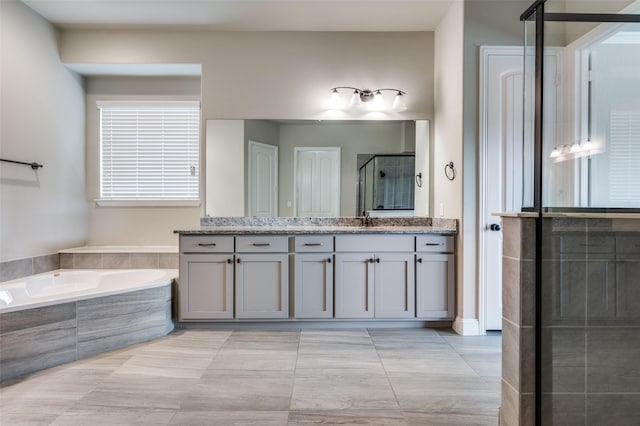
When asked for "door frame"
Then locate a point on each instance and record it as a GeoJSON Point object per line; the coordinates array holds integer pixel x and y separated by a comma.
{"type": "Point", "coordinates": [485, 53]}
{"type": "Point", "coordinates": [250, 172]}
{"type": "Point", "coordinates": [298, 149]}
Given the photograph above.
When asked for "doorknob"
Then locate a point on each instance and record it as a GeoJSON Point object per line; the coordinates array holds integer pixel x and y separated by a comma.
{"type": "Point", "coordinates": [495, 227]}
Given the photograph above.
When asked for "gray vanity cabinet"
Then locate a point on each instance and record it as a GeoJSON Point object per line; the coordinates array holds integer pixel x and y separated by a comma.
{"type": "Point", "coordinates": [435, 277]}
{"type": "Point", "coordinates": [206, 278]}
{"type": "Point", "coordinates": [262, 277]}
{"type": "Point", "coordinates": [378, 283]}
{"type": "Point", "coordinates": [313, 277]}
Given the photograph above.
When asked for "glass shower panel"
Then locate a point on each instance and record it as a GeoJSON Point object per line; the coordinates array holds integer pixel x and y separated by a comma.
{"type": "Point", "coordinates": [614, 123]}
{"type": "Point", "coordinates": [529, 78]}
{"type": "Point", "coordinates": [590, 271]}
{"type": "Point", "coordinates": [387, 183]}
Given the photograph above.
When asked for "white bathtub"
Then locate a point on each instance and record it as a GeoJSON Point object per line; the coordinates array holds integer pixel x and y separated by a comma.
{"type": "Point", "coordinates": [68, 285]}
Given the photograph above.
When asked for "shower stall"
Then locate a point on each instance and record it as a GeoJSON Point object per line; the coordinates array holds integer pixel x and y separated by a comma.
{"type": "Point", "coordinates": [582, 187]}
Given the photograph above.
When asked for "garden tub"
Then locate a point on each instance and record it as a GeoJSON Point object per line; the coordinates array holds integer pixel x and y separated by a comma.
{"type": "Point", "coordinates": [64, 315]}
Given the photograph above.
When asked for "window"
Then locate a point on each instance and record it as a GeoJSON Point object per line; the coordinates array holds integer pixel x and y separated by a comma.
{"type": "Point", "coordinates": [149, 152]}
{"type": "Point", "coordinates": [624, 157]}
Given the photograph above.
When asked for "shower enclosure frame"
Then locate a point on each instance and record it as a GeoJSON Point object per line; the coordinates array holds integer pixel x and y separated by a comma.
{"type": "Point", "coordinates": [541, 17]}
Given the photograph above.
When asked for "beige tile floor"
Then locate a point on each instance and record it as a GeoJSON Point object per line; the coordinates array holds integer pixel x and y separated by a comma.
{"type": "Point", "coordinates": [210, 377]}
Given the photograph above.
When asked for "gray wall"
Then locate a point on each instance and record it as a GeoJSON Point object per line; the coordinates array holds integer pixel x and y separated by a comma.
{"type": "Point", "coordinates": [487, 22]}
{"type": "Point", "coordinates": [269, 75]}
{"type": "Point", "coordinates": [41, 119]}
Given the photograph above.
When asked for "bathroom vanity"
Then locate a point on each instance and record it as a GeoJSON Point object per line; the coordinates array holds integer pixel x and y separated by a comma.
{"type": "Point", "coordinates": [238, 269]}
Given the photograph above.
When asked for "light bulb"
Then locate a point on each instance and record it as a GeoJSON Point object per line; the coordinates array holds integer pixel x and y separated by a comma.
{"type": "Point", "coordinates": [587, 146]}
{"type": "Point", "coordinates": [555, 153]}
{"type": "Point", "coordinates": [355, 99]}
{"type": "Point", "coordinates": [378, 101]}
{"type": "Point", "coordinates": [398, 103]}
{"type": "Point", "coordinates": [335, 102]}
{"type": "Point", "coordinates": [575, 148]}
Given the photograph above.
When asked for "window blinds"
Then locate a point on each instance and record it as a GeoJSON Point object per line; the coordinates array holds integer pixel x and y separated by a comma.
{"type": "Point", "coordinates": [624, 160]}
{"type": "Point", "coordinates": [149, 152]}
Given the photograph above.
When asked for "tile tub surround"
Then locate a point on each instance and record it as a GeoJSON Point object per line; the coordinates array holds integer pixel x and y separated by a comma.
{"type": "Point", "coordinates": [120, 257]}
{"type": "Point", "coordinates": [331, 225]}
{"type": "Point", "coordinates": [20, 268]}
{"type": "Point", "coordinates": [39, 338]}
{"type": "Point", "coordinates": [93, 257]}
{"type": "Point", "coordinates": [211, 377]}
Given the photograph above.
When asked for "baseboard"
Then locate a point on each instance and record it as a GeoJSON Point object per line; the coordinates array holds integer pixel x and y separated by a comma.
{"type": "Point", "coordinates": [466, 326]}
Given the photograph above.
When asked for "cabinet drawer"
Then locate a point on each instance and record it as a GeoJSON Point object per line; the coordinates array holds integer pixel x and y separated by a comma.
{"type": "Point", "coordinates": [206, 244]}
{"type": "Point", "coordinates": [434, 243]}
{"type": "Point", "coordinates": [313, 244]}
{"type": "Point", "coordinates": [374, 243]}
{"type": "Point", "coordinates": [262, 244]}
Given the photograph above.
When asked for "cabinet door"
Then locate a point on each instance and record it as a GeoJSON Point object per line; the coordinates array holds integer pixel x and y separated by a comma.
{"type": "Point", "coordinates": [262, 286]}
{"type": "Point", "coordinates": [435, 285]}
{"type": "Point", "coordinates": [313, 285]}
{"type": "Point", "coordinates": [394, 285]}
{"type": "Point", "coordinates": [206, 286]}
{"type": "Point", "coordinates": [354, 285]}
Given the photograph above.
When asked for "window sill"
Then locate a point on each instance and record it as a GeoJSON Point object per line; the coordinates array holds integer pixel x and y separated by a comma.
{"type": "Point", "coordinates": [147, 203]}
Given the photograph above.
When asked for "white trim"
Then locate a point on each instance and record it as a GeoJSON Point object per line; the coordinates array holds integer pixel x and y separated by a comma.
{"type": "Point", "coordinates": [145, 103]}
{"type": "Point", "coordinates": [483, 218]}
{"type": "Point", "coordinates": [467, 327]}
{"type": "Point", "coordinates": [146, 203]}
{"type": "Point", "coordinates": [485, 53]}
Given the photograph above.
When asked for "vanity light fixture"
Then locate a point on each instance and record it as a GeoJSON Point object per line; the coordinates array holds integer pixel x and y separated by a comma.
{"type": "Point", "coordinates": [574, 151]}
{"type": "Point", "coordinates": [366, 96]}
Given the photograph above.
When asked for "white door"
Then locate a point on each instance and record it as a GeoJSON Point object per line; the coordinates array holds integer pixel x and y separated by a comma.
{"type": "Point", "coordinates": [317, 190]}
{"type": "Point", "coordinates": [502, 151]}
{"type": "Point", "coordinates": [263, 180]}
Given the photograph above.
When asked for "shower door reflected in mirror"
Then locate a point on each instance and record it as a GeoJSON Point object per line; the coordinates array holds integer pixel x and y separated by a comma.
{"type": "Point", "coordinates": [386, 185]}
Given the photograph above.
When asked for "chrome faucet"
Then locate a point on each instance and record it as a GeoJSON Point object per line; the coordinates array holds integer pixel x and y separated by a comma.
{"type": "Point", "coordinates": [367, 220]}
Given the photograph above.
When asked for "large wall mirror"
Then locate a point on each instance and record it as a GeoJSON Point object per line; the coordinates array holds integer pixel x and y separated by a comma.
{"type": "Point", "coordinates": [305, 168]}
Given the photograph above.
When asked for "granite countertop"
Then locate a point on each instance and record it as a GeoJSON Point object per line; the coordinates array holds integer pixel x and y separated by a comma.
{"type": "Point", "coordinates": [301, 226]}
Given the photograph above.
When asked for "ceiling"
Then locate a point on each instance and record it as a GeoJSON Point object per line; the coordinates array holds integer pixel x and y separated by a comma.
{"type": "Point", "coordinates": [246, 15]}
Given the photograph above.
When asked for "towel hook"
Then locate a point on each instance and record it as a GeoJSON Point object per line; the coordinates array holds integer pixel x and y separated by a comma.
{"type": "Point", "coordinates": [450, 171]}
{"type": "Point", "coordinates": [419, 180]}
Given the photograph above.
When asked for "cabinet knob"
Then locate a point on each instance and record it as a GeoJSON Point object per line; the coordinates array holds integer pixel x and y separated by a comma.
{"type": "Point", "coordinates": [419, 260]}
{"type": "Point", "coordinates": [371, 260]}
{"type": "Point", "coordinates": [378, 260]}
{"type": "Point", "coordinates": [207, 244]}
{"type": "Point", "coordinates": [238, 260]}
{"type": "Point", "coordinates": [229, 260]}
{"type": "Point", "coordinates": [329, 260]}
